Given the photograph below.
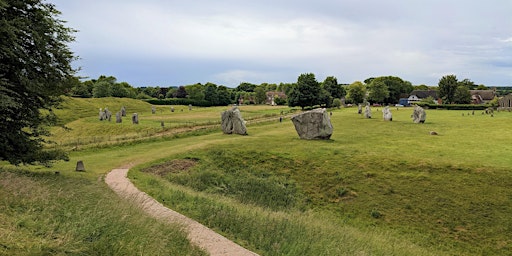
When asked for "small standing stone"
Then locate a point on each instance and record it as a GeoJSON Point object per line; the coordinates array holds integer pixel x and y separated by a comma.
{"type": "Point", "coordinates": [386, 114]}
{"type": "Point", "coordinates": [367, 111]}
{"type": "Point", "coordinates": [135, 118]}
{"type": "Point", "coordinates": [162, 124]}
{"type": "Point", "coordinates": [189, 106]}
{"type": "Point", "coordinates": [119, 119]}
{"type": "Point", "coordinates": [123, 111]}
{"type": "Point", "coordinates": [153, 109]}
{"type": "Point", "coordinates": [359, 109]}
{"type": "Point", "coordinates": [172, 109]}
{"type": "Point", "coordinates": [80, 166]}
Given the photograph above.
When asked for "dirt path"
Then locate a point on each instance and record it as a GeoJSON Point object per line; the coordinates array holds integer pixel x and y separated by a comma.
{"type": "Point", "coordinates": [198, 234]}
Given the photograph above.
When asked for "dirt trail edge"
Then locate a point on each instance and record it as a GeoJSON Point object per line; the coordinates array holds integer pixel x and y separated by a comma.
{"type": "Point", "coordinates": [215, 244]}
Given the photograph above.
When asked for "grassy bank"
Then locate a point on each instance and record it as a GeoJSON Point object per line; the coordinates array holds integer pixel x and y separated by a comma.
{"type": "Point", "coordinates": [48, 214]}
{"type": "Point", "coordinates": [375, 188]}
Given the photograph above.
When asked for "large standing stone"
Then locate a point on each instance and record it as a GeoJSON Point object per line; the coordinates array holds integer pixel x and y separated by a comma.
{"type": "Point", "coordinates": [367, 111]}
{"type": "Point", "coordinates": [386, 114]}
{"type": "Point", "coordinates": [419, 115]}
{"type": "Point", "coordinates": [232, 122]}
{"type": "Point", "coordinates": [135, 118]}
{"type": "Point", "coordinates": [119, 119]}
{"type": "Point", "coordinates": [314, 124]}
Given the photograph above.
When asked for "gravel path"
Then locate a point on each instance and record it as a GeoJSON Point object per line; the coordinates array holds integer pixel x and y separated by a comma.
{"type": "Point", "coordinates": [198, 234]}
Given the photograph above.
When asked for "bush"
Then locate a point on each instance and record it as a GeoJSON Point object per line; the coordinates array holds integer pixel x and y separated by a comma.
{"type": "Point", "coordinates": [453, 106]}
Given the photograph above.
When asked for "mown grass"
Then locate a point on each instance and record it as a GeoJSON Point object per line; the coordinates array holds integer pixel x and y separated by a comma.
{"type": "Point", "coordinates": [375, 188]}
{"type": "Point", "coordinates": [48, 214]}
{"type": "Point", "coordinates": [447, 193]}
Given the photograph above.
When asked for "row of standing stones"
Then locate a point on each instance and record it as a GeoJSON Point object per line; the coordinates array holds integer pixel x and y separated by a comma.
{"type": "Point", "coordinates": [310, 125]}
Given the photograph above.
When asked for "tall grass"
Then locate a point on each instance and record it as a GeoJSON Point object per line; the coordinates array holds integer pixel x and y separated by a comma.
{"type": "Point", "coordinates": [48, 214]}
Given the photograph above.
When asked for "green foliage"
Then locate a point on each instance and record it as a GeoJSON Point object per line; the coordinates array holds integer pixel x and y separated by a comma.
{"type": "Point", "coordinates": [260, 95]}
{"type": "Point", "coordinates": [336, 103]}
{"type": "Point", "coordinates": [102, 89]}
{"type": "Point", "coordinates": [35, 70]}
{"type": "Point", "coordinates": [179, 101]}
{"type": "Point", "coordinates": [331, 85]}
{"type": "Point", "coordinates": [395, 86]}
{"type": "Point", "coordinates": [431, 105]}
{"type": "Point", "coordinates": [462, 95]}
{"type": "Point", "coordinates": [447, 87]}
{"type": "Point", "coordinates": [356, 92]}
{"type": "Point", "coordinates": [307, 92]}
{"type": "Point", "coordinates": [377, 91]}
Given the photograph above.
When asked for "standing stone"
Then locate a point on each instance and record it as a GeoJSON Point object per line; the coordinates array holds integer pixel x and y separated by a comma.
{"type": "Point", "coordinates": [359, 108]}
{"type": "Point", "coordinates": [123, 111]}
{"type": "Point", "coordinates": [232, 122]}
{"type": "Point", "coordinates": [172, 109]}
{"type": "Point", "coordinates": [135, 118]}
{"type": "Point", "coordinates": [101, 115]}
{"type": "Point", "coordinates": [419, 115]}
{"type": "Point", "coordinates": [153, 109]}
{"type": "Point", "coordinates": [189, 106]}
{"type": "Point", "coordinates": [162, 124]}
{"type": "Point", "coordinates": [119, 118]}
{"type": "Point", "coordinates": [367, 111]}
{"type": "Point", "coordinates": [386, 114]}
{"type": "Point", "coordinates": [80, 166]}
{"type": "Point", "coordinates": [313, 124]}
{"type": "Point", "coordinates": [108, 115]}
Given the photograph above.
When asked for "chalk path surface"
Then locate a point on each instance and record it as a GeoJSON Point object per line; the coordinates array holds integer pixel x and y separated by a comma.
{"type": "Point", "coordinates": [212, 242]}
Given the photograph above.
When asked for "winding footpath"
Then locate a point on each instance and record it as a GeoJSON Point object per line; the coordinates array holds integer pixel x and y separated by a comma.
{"type": "Point", "coordinates": [214, 243]}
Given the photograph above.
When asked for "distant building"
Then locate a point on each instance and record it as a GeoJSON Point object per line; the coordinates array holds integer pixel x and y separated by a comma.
{"type": "Point", "coordinates": [418, 95]}
{"type": "Point", "coordinates": [505, 102]}
{"type": "Point", "coordinates": [271, 96]}
{"type": "Point", "coordinates": [482, 96]}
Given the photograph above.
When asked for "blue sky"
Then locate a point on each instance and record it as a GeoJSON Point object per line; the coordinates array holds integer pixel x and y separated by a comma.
{"type": "Point", "coordinates": [172, 43]}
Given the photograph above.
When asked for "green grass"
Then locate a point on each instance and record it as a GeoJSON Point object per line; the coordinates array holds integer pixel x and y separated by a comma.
{"type": "Point", "coordinates": [48, 214]}
{"type": "Point", "coordinates": [375, 188]}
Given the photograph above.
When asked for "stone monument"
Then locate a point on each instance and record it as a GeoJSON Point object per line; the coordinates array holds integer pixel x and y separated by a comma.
{"type": "Point", "coordinates": [135, 118]}
{"type": "Point", "coordinates": [419, 115]}
{"type": "Point", "coordinates": [123, 111]}
{"type": "Point", "coordinates": [367, 111]}
{"type": "Point", "coordinates": [232, 122]}
{"type": "Point", "coordinates": [386, 114]}
{"type": "Point", "coordinates": [313, 124]}
{"type": "Point", "coordinates": [119, 119]}
{"type": "Point", "coordinates": [153, 109]}
{"type": "Point", "coordinates": [80, 166]}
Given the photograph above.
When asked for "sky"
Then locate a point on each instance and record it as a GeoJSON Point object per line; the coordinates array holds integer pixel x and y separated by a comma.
{"type": "Point", "coordinates": [226, 42]}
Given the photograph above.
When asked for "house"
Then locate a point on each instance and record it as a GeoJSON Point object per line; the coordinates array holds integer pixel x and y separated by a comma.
{"type": "Point", "coordinates": [505, 102]}
{"type": "Point", "coordinates": [418, 95]}
{"type": "Point", "coordinates": [482, 96]}
{"type": "Point", "coordinates": [271, 96]}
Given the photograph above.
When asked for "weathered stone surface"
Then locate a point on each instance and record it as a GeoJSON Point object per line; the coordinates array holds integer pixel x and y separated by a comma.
{"type": "Point", "coordinates": [359, 109]}
{"type": "Point", "coordinates": [135, 118]}
{"type": "Point", "coordinates": [367, 111]}
{"type": "Point", "coordinates": [386, 114]}
{"type": "Point", "coordinates": [172, 109]}
{"type": "Point", "coordinates": [101, 115]}
{"type": "Point", "coordinates": [314, 124]}
{"type": "Point", "coordinates": [232, 122]}
{"type": "Point", "coordinates": [419, 115]}
{"type": "Point", "coordinates": [123, 111]}
{"type": "Point", "coordinates": [80, 166]}
{"type": "Point", "coordinates": [153, 109]}
{"type": "Point", "coordinates": [108, 115]}
{"type": "Point", "coordinates": [119, 119]}
{"type": "Point", "coordinates": [189, 106]}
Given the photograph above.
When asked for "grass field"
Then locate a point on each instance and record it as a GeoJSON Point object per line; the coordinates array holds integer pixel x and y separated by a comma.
{"type": "Point", "coordinates": [375, 188]}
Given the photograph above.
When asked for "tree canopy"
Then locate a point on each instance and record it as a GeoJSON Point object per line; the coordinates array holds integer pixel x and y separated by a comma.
{"type": "Point", "coordinates": [306, 93]}
{"type": "Point", "coordinates": [447, 87]}
{"type": "Point", "coordinates": [35, 70]}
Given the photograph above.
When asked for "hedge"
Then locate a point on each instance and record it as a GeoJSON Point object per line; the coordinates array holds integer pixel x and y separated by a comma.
{"type": "Point", "coordinates": [454, 106]}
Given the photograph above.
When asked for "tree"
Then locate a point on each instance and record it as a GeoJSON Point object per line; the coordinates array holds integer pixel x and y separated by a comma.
{"type": "Point", "coordinates": [462, 95]}
{"type": "Point", "coordinates": [210, 94]}
{"type": "Point", "coordinates": [35, 63]}
{"type": "Point", "coordinates": [224, 95]}
{"type": "Point", "coordinates": [447, 86]}
{"type": "Point", "coordinates": [102, 89]}
{"type": "Point", "coordinates": [195, 91]}
{"type": "Point", "coordinates": [181, 92]}
{"type": "Point", "coordinates": [356, 92]}
{"type": "Point", "coordinates": [120, 90]}
{"type": "Point", "coordinates": [377, 91]}
{"type": "Point", "coordinates": [331, 85]}
{"type": "Point", "coordinates": [395, 85]}
{"type": "Point", "coordinates": [260, 95]}
{"type": "Point", "coordinates": [306, 93]}
{"type": "Point", "coordinates": [468, 84]}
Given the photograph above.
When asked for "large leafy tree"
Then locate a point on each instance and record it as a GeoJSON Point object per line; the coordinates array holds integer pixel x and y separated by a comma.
{"type": "Point", "coordinates": [447, 87]}
{"type": "Point", "coordinates": [395, 87]}
{"type": "Point", "coordinates": [462, 95]}
{"type": "Point", "coordinates": [377, 91]}
{"type": "Point", "coordinates": [35, 63]}
{"type": "Point", "coordinates": [306, 93]}
{"type": "Point", "coordinates": [331, 85]}
{"type": "Point", "coordinates": [356, 92]}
